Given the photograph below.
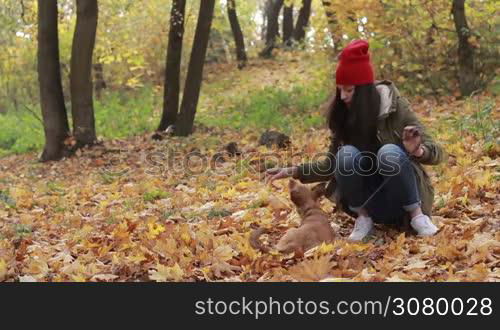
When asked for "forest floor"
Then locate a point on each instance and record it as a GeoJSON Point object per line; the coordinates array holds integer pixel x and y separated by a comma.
{"type": "Point", "coordinates": [139, 210]}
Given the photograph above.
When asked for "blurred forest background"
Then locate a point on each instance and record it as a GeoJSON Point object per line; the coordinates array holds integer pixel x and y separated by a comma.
{"type": "Point", "coordinates": [414, 43]}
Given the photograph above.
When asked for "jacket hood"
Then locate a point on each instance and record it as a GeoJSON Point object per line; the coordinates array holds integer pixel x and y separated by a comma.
{"type": "Point", "coordinates": [388, 97]}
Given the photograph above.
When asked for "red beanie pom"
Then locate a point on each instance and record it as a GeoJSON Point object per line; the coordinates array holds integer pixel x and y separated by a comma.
{"type": "Point", "coordinates": [355, 67]}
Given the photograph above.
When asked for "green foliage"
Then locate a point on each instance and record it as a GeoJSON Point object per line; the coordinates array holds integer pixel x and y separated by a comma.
{"type": "Point", "coordinates": [55, 188]}
{"type": "Point", "coordinates": [5, 198]}
{"type": "Point", "coordinates": [168, 214]}
{"type": "Point", "coordinates": [22, 230]}
{"type": "Point", "coordinates": [20, 132]}
{"type": "Point", "coordinates": [218, 213]}
{"type": "Point", "coordinates": [412, 43]}
{"type": "Point", "coordinates": [119, 114]}
{"type": "Point", "coordinates": [60, 209]}
{"type": "Point", "coordinates": [153, 195]}
{"type": "Point", "coordinates": [271, 107]}
{"type": "Point", "coordinates": [108, 178]}
{"type": "Point", "coordinates": [415, 43]}
{"type": "Point", "coordinates": [481, 123]}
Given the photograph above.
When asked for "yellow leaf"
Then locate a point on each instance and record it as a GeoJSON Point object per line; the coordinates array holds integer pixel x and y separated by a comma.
{"type": "Point", "coordinates": [3, 269]}
{"type": "Point", "coordinates": [23, 198]}
{"type": "Point", "coordinates": [186, 238]}
{"type": "Point", "coordinates": [353, 247]}
{"type": "Point", "coordinates": [478, 272]}
{"type": "Point", "coordinates": [230, 193]}
{"type": "Point", "coordinates": [224, 252]}
{"type": "Point", "coordinates": [416, 264]}
{"type": "Point", "coordinates": [483, 180]}
{"type": "Point", "coordinates": [27, 219]}
{"type": "Point", "coordinates": [244, 185]}
{"type": "Point", "coordinates": [165, 273]}
{"type": "Point", "coordinates": [137, 258]}
{"type": "Point", "coordinates": [325, 248]}
{"type": "Point", "coordinates": [78, 278]}
{"type": "Point", "coordinates": [263, 197]}
{"type": "Point", "coordinates": [155, 229]}
{"type": "Point", "coordinates": [312, 269]}
{"type": "Point", "coordinates": [37, 268]}
{"type": "Point", "coordinates": [121, 231]}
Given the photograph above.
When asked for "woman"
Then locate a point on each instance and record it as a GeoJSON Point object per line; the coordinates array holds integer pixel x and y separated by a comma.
{"type": "Point", "coordinates": [375, 158]}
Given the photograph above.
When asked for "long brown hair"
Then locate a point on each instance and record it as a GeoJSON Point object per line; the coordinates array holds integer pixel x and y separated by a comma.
{"type": "Point", "coordinates": [356, 125]}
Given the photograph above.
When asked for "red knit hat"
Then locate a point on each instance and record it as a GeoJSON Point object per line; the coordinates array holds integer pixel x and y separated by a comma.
{"type": "Point", "coordinates": [355, 67]}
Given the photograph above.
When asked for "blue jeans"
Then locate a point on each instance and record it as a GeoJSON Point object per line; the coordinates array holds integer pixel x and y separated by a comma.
{"type": "Point", "coordinates": [383, 184]}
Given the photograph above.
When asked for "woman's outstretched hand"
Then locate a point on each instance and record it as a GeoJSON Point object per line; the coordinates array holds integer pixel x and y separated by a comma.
{"type": "Point", "coordinates": [280, 173]}
{"type": "Point", "coordinates": [412, 139]}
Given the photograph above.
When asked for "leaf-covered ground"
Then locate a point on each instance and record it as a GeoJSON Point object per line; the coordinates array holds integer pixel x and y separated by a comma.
{"type": "Point", "coordinates": [129, 211]}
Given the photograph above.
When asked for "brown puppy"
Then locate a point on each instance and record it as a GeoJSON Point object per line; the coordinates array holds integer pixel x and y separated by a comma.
{"type": "Point", "coordinates": [314, 228]}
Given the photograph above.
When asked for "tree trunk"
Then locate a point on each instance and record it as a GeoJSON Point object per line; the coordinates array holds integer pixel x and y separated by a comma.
{"type": "Point", "coordinates": [82, 103]}
{"type": "Point", "coordinates": [100, 82]}
{"type": "Point", "coordinates": [272, 28]}
{"type": "Point", "coordinates": [239, 40]}
{"type": "Point", "coordinates": [55, 120]}
{"type": "Point", "coordinates": [466, 73]}
{"type": "Point", "coordinates": [288, 25]}
{"type": "Point", "coordinates": [184, 125]}
{"type": "Point", "coordinates": [333, 25]}
{"type": "Point", "coordinates": [264, 8]}
{"type": "Point", "coordinates": [173, 65]}
{"type": "Point", "coordinates": [302, 21]}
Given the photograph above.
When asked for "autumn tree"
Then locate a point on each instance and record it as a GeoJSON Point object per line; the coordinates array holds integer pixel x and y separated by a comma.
{"type": "Point", "coordinates": [184, 124]}
{"type": "Point", "coordinates": [82, 107]}
{"type": "Point", "coordinates": [299, 32]}
{"type": "Point", "coordinates": [99, 81]}
{"type": "Point", "coordinates": [239, 40]}
{"type": "Point", "coordinates": [173, 65]}
{"type": "Point", "coordinates": [288, 23]}
{"type": "Point", "coordinates": [291, 32]}
{"type": "Point", "coordinates": [55, 119]}
{"type": "Point", "coordinates": [272, 32]}
{"type": "Point", "coordinates": [333, 24]}
{"type": "Point", "coordinates": [466, 72]}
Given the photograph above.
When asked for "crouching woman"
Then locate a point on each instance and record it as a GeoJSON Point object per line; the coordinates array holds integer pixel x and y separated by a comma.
{"type": "Point", "coordinates": [378, 146]}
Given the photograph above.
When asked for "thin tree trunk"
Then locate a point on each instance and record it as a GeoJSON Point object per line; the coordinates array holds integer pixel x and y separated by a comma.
{"type": "Point", "coordinates": [264, 7]}
{"type": "Point", "coordinates": [100, 82]}
{"type": "Point", "coordinates": [302, 21]}
{"type": "Point", "coordinates": [272, 28]}
{"type": "Point", "coordinates": [288, 25]}
{"type": "Point", "coordinates": [184, 125]}
{"type": "Point", "coordinates": [239, 40]}
{"type": "Point", "coordinates": [466, 73]}
{"type": "Point", "coordinates": [173, 65]}
{"type": "Point", "coordinates": [333, 25]}
{"type": "Point", "coordinates": [55, 119]}
{"type": "Point", "coordinates": [82, 103]}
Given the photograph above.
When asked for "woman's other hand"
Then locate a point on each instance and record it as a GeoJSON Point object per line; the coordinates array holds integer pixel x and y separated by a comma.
{"type": "Point", "coordinates": [412, 139]}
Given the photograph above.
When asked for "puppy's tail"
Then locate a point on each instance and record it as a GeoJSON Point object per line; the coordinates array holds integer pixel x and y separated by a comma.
{"type": "Point", "coordinates": [254, 239]}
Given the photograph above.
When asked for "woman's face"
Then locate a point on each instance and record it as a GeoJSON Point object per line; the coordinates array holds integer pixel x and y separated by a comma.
{"type": "Point", "coordinates": [346, 93]}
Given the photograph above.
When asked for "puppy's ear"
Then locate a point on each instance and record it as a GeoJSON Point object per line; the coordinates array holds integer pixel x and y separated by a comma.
{"type": "Point", "coordinates": [292, 184]}
{"type": "Point", "coordinates": [319, 190]}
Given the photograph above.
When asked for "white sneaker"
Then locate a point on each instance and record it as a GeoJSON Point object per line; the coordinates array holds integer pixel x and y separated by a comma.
{"type": "Point", "coordinates": [423, 225]}
{"type": "Point", "coordinates": [362, 227]}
